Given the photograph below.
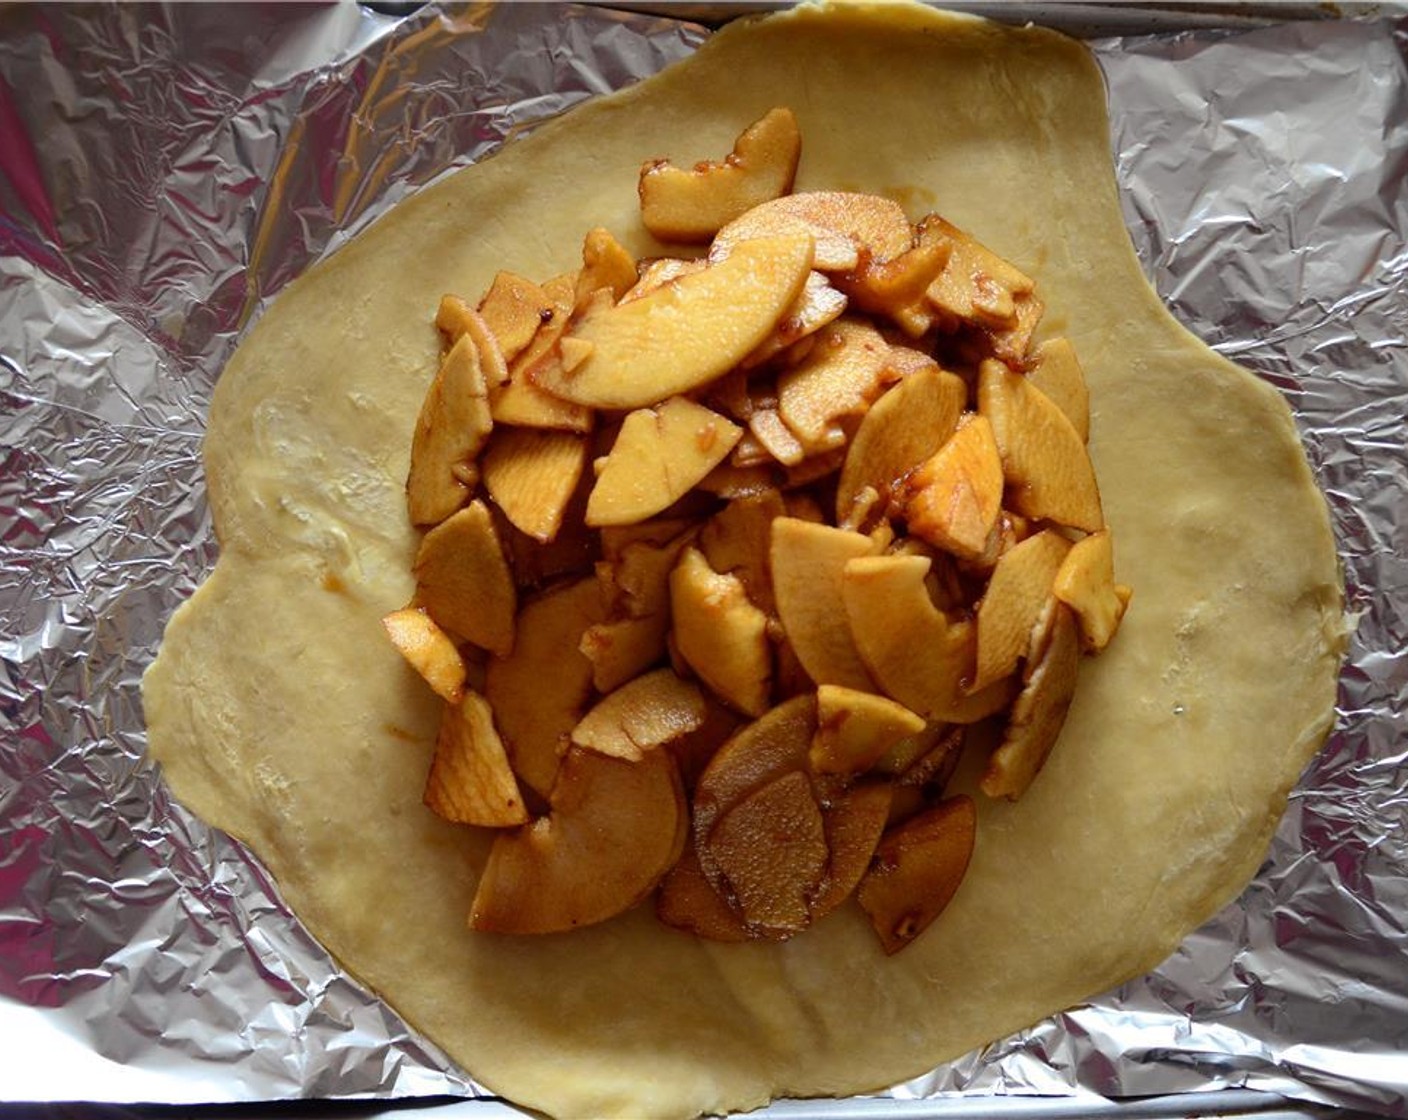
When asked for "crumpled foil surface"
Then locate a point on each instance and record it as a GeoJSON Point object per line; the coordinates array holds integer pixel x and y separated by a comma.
{"type": "Point", "coordinates": [163, 171]}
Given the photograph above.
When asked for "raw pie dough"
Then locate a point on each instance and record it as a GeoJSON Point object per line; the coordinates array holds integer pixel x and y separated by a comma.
{"type": "Point", "coordinates": [281, 714]}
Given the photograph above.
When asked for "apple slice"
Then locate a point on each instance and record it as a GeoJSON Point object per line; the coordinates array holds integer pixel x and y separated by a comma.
{"type": "Point", "coordinates": [463, 580]}
{"type": "Point", "coordinates": [775, 438]}
{"type": "Point", "coordinates": [605, 265]}
{"type": "Point", "coordinates": [470, 781]}
{"type": "Point", "coordinates": [514, 309]}
{"type": "Point", "coordinates": [720, 634]}
{"type": "Point", "coordinates": [453, 424]}
{"type": "Point", "coordinates": [1057, 373]}
{"type": "Point", "coordinates": [1036, 719]}
{"type": "Point", "coordinates": [659, 456]}
{"type": "Point", "coordinates": [1012, 345]}
{"type": "Point", "coordinates": [842, 224]}
{"type": "Point", "coordinates": [854, 820]}
{"type": "Point", "coordinates": [771, 854]}
{"type": "Point", "coordinates": [808, 561]}
{"type": "Point", "coordinates": [856, 729]}
{"type": "Point", "coordinates": [1020, 586]}
{"type": "Point", "coordinates": [687, 332]}
{"type": "Point", "coordinates": [760, 751]}
{"type": "Point", "coordinates": [540, 691]}
{"type": "Point", "coordinates": [736, 541]}
{"type": "Point", "coordinates": [842, 375]}
{"type": "Point", "coordinates": [919, 657]}
{"type": "Point", "coordinates": [455, 319]}
{"type": "Point", "coordinates": [976, 286]}
{"type": "Point", "coordinates": [686, 901]}
{"type": "Point", "coordinates": [895, 288]}
{"type": "Point", "coordinates": [1048, 470]}
{"type": "Point", "coordinates": [428, 650]}
{"type": "Point", "coordinates": [518, 400]}
{"type": "Point", "coordinates": [910, 422]}
{"type": "Point", "coordinates": [917, 870]}
{"type": "Point", "coordinates": [531, 474]}
{"type": "Point", "coordinates": [953, 498]}
{"type": "Point", "coordinates": [615, 829]}
{"type": "Point", "coordinates": [680, 205]}
{"type": "Point", "coordinates": [1086, 584]}
{"type": "Point", "coordinates": [660, 271]}
{"type": "Point", "coordinates": [643, 714]}
{"type": "Point", "coordinates": [818, 305]}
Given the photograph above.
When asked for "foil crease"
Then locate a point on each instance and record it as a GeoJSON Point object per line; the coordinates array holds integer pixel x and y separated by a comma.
{"type": "Point", "coordinates": [164, 171]}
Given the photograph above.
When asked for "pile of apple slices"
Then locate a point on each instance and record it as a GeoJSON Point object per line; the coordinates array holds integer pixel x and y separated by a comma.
{"type": "Point", "coordinates": [727, 555]}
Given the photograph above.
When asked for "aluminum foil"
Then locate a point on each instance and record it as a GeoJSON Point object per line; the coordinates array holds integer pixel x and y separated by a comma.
{"type": "Point", "coordinates": [163, 171]}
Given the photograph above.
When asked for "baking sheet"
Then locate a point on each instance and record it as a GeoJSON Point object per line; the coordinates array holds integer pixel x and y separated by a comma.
{"type": "Point", "coordinates": [163, 171]}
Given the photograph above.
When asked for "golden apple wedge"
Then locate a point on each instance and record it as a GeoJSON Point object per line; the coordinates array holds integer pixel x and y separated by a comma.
{"type": "Point", "coordinates": [687, 901]}
{"type": "Point", "coordinates": [952, 499]}
{"type": "Point", "coordinates": [615, 829]}
{"type": "Point", "coordinates": [808, 561]}
{"type": "Point", "coordinates": [659, 456]}
{"type": "Point", "coordinates": [688, 331]}
{"type": "Point", "coordinates": [902, 429]}
{"type": "Point", "coordinates": [642, 714]}
{"type": "Point", "coordinates": [470, 780]}
{"type": "Point", "coordinates": [531, 475]}
{"type": "Point", "coordinates": [1048, 470]}
{"type": "Point", "coordinates": [856, 729]}
{"type": "Point", "coordinates": [464, 582]}
{"type": "Point", "coordinates": [1086, 584]}
{"type": "Point", "coordinates": [677, 204]}
{"type": "Point", "coordinates": [843, 374]}
{"type": "Point", "coordinates": [853, 820]}
{"type": "Point", "coordinates": [917, 870]}
{"type": "Point", "coordinates": [916, 654]}
{"type": "Point", "coordinates": [1058, 374]}
{"type": "Point", "coordinates": [1036, 719]}
{"type": "Point", "coordinates": [1021, 584]}
{"type": "Point", "coordinates": [844, 225]}
{"type": "Point", "coordinates": [453, 424]}
{"type": "Point", "coordinates": [720, 635]}
{"type": "Point", "coordinates": [540, 691]}
{"type": "Point", "coordinates": [428, 650]}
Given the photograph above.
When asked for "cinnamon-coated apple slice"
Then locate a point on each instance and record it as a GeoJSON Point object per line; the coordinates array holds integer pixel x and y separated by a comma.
{"type": "Point", "coordinates": [843, 224]}
{"type": "Point", "coordinates": [917, 870]}
{"type": "Point", "coordinates": [1048, 470]}
{"type": "Point", "coordinates": [531, 475]}
{"type": "Point", "coordinates": [607, 265]}
{"type": "Point", "coordinates": [856, 729]}
{"type": "Point", "coordinates": [688, 331]}
{"type": "Point", "coordinates": [687, 901]}
{"type": "Point", "coordinates": [843, 374]}
{"type": "Point", "coordinates": [758, 752]}
{"type": "Point", "coordinates": [692, 205]}
{"type": "Point", "coordinates": [642, 714]}
{"type": "Point", "coordinates": [514, 308]}
{"type": "Point", "coordinates": [902, 429]}
{"type": "Point", "coordinates": [1086, 584]}
{"type": "Point", "coordinates": [470, 780]}
{"type": "Point", "coordinates": [540, 691]}
{"type": "Point", "coordinates": [615, 829]}
{"type": "Point", "coordinates": [807, 565]}
{"type": "Point", "coordinates": [1021, 584]}
{"type": "Point", "coordinates": [464, 582]}
{"type": "Point", "coordinates": [918, 656]}
{"type": "Point", "coordinates": [1035, 721]}
{"type": "Point", "coordinates": [720, 634]}
{"type": "Point", "coordinates": [453, 425]}
{"type": "Point", "coordinates": [952, 499]}
{"type": "Point", "coordinates": [771, 854]}
{"type": "Point", "coordinates": [1056, 371]}
{"type": "Point", "coordinates": [428, 650]}
{"type": "Point", "coordinates": [660, 454]}
{"type": "Point", "coordinates": [854, 820]}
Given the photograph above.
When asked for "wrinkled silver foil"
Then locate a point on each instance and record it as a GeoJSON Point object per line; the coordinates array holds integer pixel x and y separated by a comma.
{"type": "Point", "coordinates": [164, 171]}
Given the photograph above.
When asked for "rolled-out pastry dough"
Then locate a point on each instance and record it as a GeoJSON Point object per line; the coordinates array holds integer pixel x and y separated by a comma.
{"type": "Point", "coordinates": [280, 714]}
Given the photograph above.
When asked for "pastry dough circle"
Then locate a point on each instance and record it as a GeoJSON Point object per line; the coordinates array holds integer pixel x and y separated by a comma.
{"type": "Point", "coordinates": [280, 714]}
